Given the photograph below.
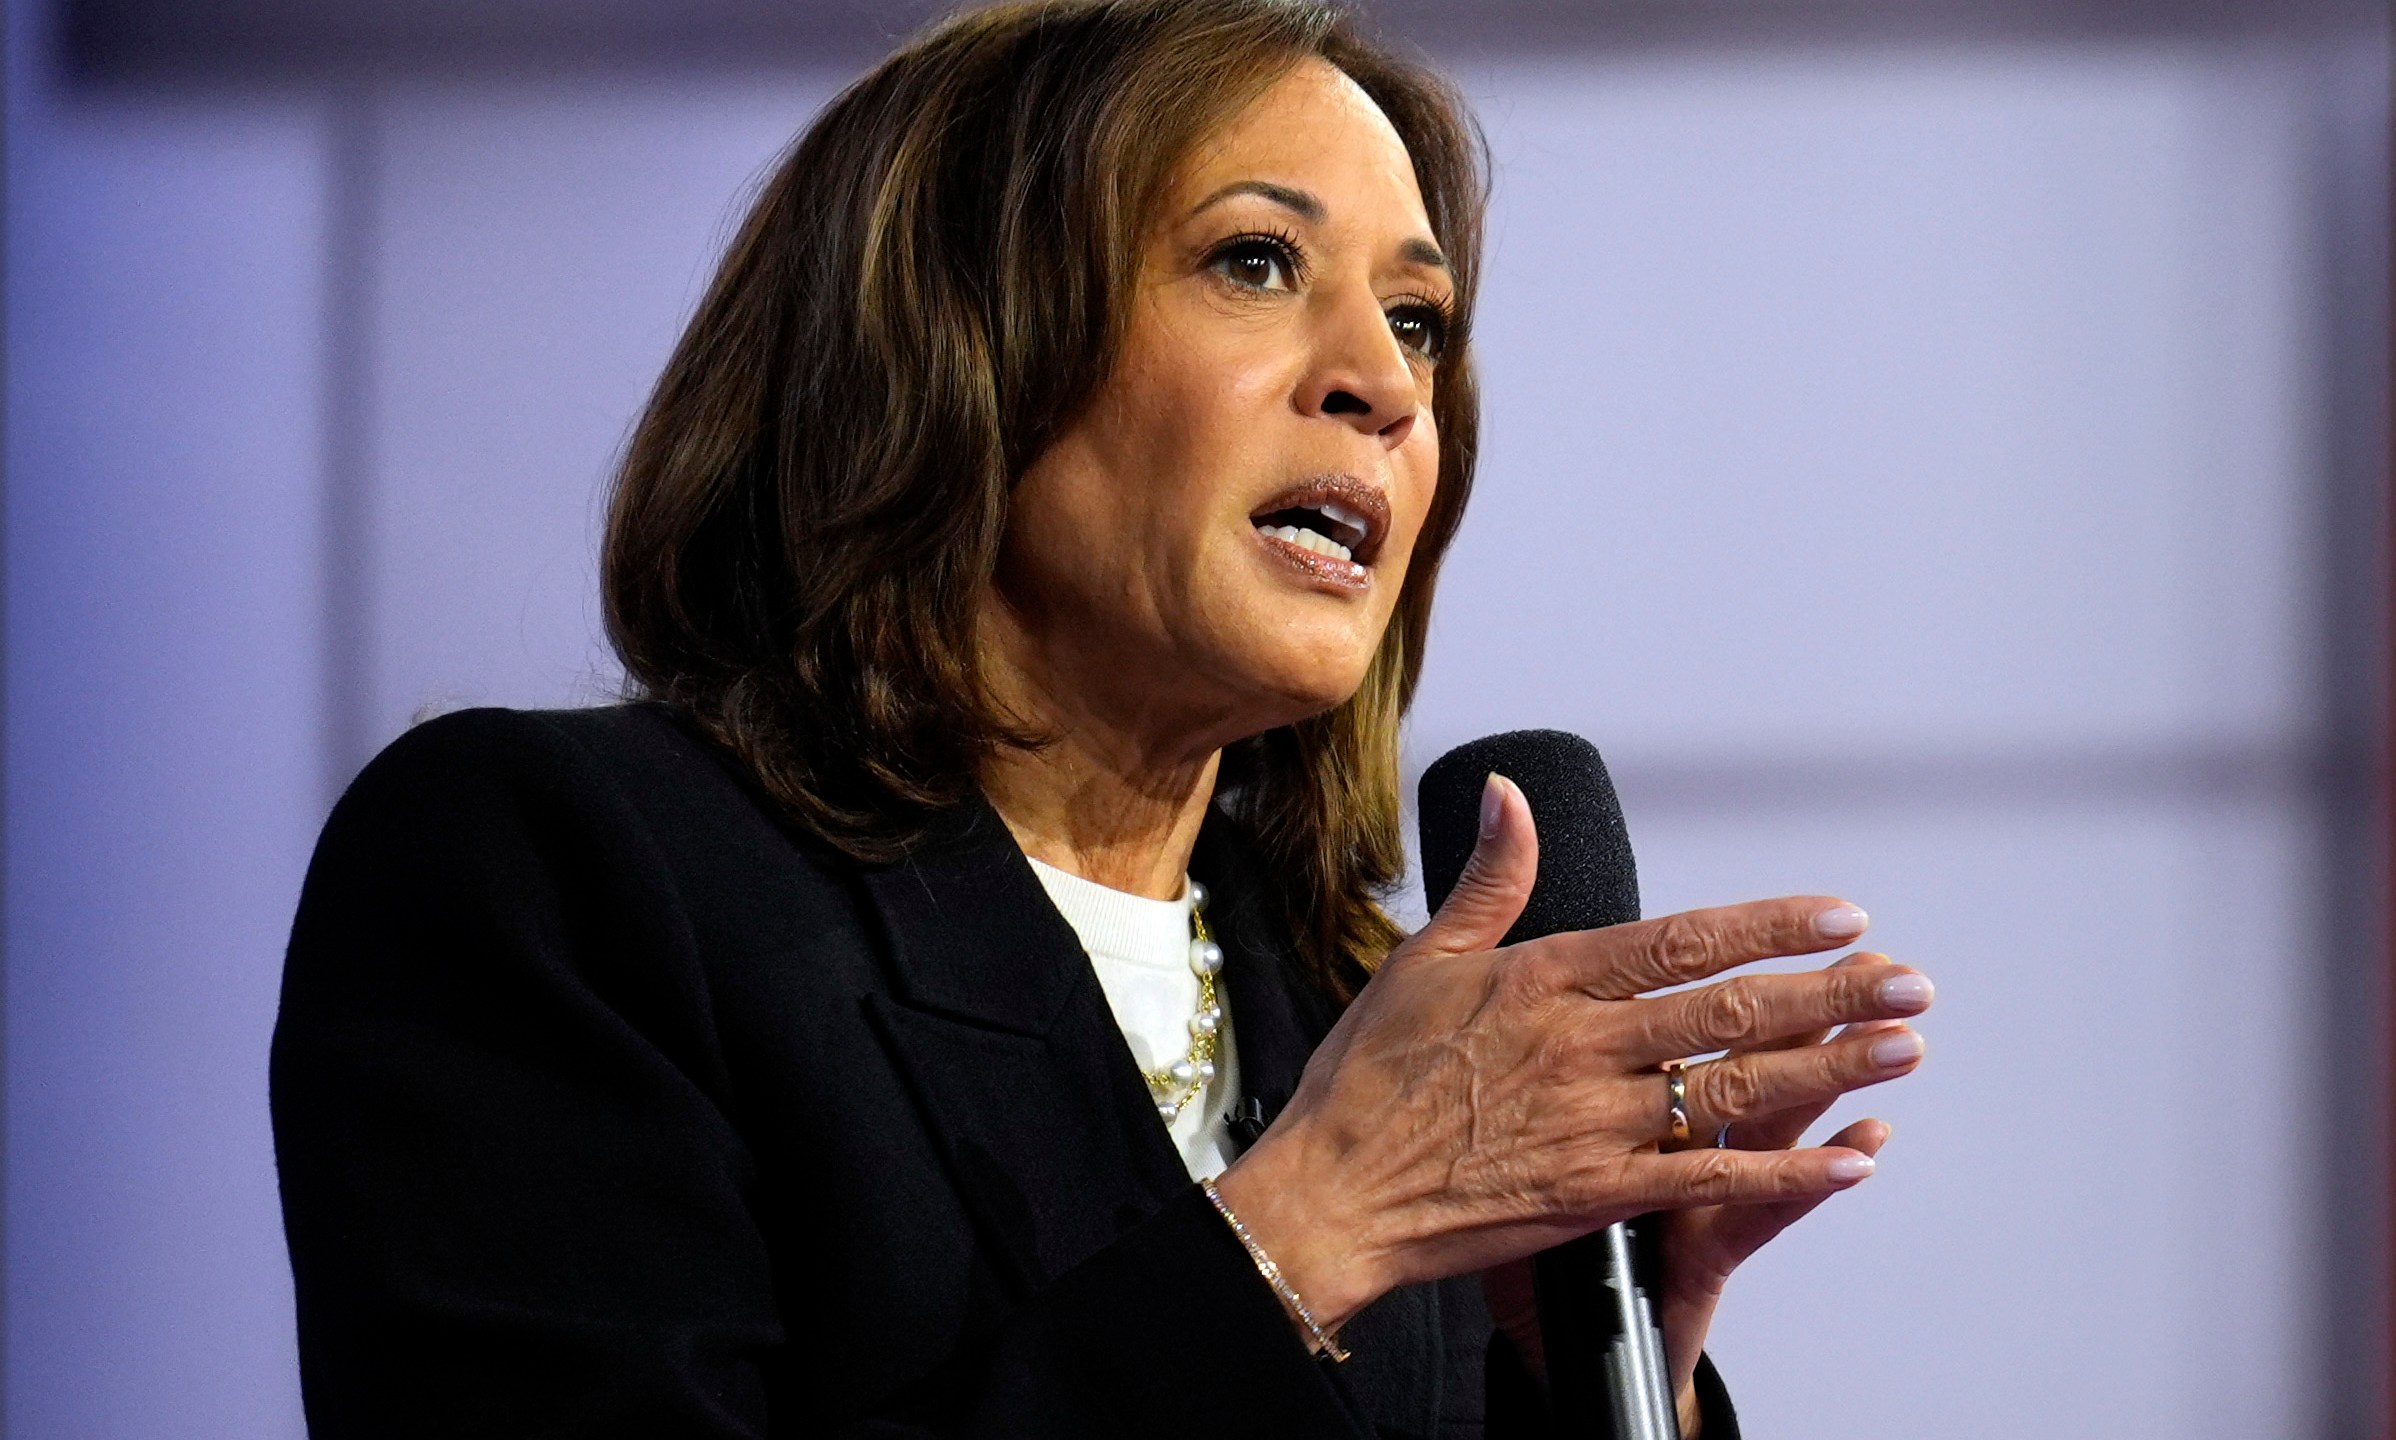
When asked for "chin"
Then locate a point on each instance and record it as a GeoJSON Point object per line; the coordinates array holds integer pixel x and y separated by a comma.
{"type": "Point", "coordinates": [1300, 691]}
{"type": "Point", "coordinates": [1290, 659]}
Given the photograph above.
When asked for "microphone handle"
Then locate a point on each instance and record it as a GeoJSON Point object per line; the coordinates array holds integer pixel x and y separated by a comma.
{"type": "Point", "coordinates": [1606, 1374]}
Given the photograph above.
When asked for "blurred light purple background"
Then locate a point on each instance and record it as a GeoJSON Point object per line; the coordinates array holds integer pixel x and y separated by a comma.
{"type": "Point", "coordinates": [1936, 449]}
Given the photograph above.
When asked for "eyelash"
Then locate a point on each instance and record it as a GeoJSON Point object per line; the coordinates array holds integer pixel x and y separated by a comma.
{"type": "Point", "coordinates": [1439, 316]}
{"type": "Point", "coordinates": [1281, 242]}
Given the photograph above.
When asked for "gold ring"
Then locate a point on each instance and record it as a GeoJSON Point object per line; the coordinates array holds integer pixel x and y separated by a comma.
{"type": "Point", "coordinates": [1676, 1090]}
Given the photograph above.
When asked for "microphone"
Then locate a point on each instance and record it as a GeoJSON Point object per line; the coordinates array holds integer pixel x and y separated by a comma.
{"type": "Point", "coordinates": [1606, 1373]}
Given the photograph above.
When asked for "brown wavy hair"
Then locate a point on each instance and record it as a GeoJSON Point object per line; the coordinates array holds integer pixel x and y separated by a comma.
{"type": "Point", "coordinates": [927, 290]}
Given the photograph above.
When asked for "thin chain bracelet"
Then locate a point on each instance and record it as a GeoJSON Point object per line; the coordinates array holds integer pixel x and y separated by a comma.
{"type": "Point", "coordinates": [1272, 1273]}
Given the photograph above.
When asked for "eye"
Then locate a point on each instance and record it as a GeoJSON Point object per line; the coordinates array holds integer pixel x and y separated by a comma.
{"type": "Point", "coordinates": [1258, 262]}
{"type": "Point", "coordinates": [1420, 326]}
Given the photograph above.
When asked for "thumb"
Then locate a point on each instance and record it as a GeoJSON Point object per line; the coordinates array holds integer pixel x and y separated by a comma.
{"type": "Point", "coordinates": [1496, 882]}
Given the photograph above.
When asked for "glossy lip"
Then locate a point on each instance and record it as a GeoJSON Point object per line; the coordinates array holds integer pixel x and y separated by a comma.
{"type": "Point", "coordinates": [1345, 576]}
{"type": "Point", "coordinates": [1349, 493]}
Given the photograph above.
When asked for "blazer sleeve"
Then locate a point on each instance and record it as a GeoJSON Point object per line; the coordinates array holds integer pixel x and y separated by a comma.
{"type": "Point", "coordinates": [515, 1202]}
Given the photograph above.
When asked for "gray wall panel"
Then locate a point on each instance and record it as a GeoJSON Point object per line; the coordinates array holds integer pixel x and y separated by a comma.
{"type": "Point", "coordinates": [164, 785]}
{"type": "Point", "coordinates": [256, 38]}
{"type": "Point", "coordinates": [1913, 402]}
{"type": "Point", "coordinates": [537, 255]}
{"type": "Point", "coordinates": [2090, 1221]}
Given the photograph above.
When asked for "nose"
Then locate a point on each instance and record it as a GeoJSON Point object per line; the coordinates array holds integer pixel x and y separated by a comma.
{"type": "Point", "coordinates": [1361, 377]}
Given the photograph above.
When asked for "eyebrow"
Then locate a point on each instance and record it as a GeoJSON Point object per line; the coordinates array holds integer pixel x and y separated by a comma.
{"type": "Point", "coordinates": [1303, 204]}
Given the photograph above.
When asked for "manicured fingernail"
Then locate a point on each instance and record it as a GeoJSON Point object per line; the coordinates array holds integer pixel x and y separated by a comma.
{"type": "Point", "coordinates": [1907, 994]}
{"type": "Point", "coordinates": [1493, 804]}
{"type": "Point", "coordinates": [1841, 922]}
{"type": "Point", "coordinates": [1902, 1047]}
{"type": "Point", "coordinates": [1848, 1169]}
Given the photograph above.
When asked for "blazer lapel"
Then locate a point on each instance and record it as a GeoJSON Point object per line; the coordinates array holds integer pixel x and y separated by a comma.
{"type": "Point", "coordinates": [1278, 1017]}
{"type": "Point", "coordinates": [1001, 1028]}
{"type": "Point", "coordinates": [998, 1022]}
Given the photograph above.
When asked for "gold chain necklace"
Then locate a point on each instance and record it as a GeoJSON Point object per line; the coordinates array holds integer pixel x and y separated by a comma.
{"type": "Point", "coordinates": [1180, 1082]}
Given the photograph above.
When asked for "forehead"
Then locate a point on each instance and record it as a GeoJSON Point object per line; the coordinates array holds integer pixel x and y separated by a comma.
{"type": "Point", "coordinates": [1315, 129]}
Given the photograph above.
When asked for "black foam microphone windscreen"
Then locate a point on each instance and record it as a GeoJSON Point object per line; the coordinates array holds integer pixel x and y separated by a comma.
{"type": "Point", "coordinates": [1587, 879]}
{"type": "Point", "coordinates": [1604, 1353]}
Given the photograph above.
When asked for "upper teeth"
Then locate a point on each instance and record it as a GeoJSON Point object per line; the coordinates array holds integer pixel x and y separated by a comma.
{"type": "Point", "coordinates": [1308, 539]}
{"type": "Point", "coordinates": [1341, 515]}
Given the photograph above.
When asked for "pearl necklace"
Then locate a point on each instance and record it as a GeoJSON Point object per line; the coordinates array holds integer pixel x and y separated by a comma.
{"type": "Point", "coordinates": [1179, 1083]}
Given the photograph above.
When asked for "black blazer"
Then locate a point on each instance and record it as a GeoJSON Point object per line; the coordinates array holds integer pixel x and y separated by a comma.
{"type": "Point", "coordinates": [607, 1103]}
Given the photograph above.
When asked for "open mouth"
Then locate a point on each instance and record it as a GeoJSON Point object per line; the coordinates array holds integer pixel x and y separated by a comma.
{"type": "Point", "coordinates": [1335, 517]}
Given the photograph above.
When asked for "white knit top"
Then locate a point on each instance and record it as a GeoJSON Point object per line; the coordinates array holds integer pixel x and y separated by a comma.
{"type": "Point", "coordinates": [1141, 951]}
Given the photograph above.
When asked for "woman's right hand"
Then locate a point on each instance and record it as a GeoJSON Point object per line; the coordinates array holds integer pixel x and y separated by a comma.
{"type": "Point", "coordinates": [1475, 1105]}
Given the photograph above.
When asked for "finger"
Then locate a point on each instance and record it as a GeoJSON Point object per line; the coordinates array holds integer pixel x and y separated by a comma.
{"type": "Point", "coordinates": [1780, 1130]}
{"type": "Point", "coordinates": [1741, 1230]}
{"type": "Point", "coordinates": [1685, 1178]}
{"type": "Point", "coordinates": [1866, 1136]}
{"type": "Point", "coordinates": [1496, 882]}
{"type": "Point", "coordinates": [1625, 960]}
{"type": "Point", "coordinates": [1747, 1087]}
{"type": "Point", "coordinates": [1816, 1037]}
{"type": "Point", "coordinates": [1749, 1012]}
{"type": "Point", "coordinates": [1748, 1227]}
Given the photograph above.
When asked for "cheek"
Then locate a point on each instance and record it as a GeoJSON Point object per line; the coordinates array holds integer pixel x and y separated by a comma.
{"type": "Point", "coordinates": [1198, 431]}
{"type": "Point", "coordinates": [1182, 410]}
{"type": "Point", "coordinates": [1414, 484]}
{"type": "Point", "coordinates": [1217, 402]}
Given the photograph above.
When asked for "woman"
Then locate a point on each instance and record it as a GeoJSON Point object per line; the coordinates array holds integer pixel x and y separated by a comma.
{"type": "Point", "coordinates": [1036, 523]}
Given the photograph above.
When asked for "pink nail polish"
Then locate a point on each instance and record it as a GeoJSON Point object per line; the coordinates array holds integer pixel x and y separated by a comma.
{"type": "Point", "coordinates": [1848, 1169]}
{"type": "Point", "coordinates": [1841, 922]}
{"type": "Point", "coordinates": [1493, 804]}
{"type": "Point", "coordinates": [1902, 1048]}
{"type": "Point", "coordinates": [1907, 994]}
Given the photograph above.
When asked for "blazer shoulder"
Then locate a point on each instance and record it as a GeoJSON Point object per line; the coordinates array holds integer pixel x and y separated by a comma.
{"type": "Point", "coordinates": [642, 754]}
{"type": "Point", "coordinates": [638, 782]}
{"type": "Point", "coordinates": [496, 794]}
{"type": "Point", "coordinates": [467, 749]}
{"type": "Point", "coordinates": [620, 742]}
{"type": "Point", "coordinates": [613, 844]}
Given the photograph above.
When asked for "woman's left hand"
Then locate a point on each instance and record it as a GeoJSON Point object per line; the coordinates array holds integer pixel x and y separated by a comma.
{"type": "Point", "coordinates": [1703, 1245]}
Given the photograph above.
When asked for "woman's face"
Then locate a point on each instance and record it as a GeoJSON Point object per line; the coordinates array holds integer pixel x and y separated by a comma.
{"type": "Point", "coordinates": [1216, 544]}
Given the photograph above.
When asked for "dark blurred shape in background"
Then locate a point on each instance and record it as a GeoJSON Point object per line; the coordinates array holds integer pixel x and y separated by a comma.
{"type": "Point", "coordinates": [300, 38]}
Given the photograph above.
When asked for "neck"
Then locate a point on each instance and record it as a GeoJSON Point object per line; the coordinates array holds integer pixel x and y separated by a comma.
{"type": "Point", "coordinates": [1102, 814]}
{"type": "Point", "coordinates": [1114, 798]}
